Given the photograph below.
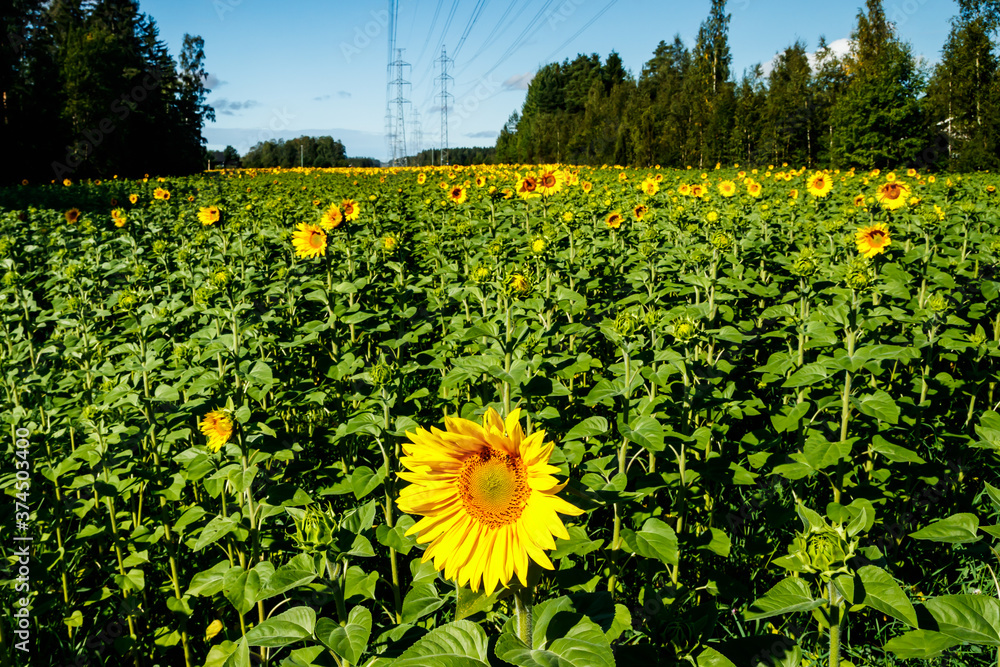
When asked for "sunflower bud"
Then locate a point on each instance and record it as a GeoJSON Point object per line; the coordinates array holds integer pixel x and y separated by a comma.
{"type": "Point", "coordinates": [518, 283]}
{"type": "Point", "coordinates": [937, 304]}
{"type": "Point", "coordinates": [805, 263]}
{"type": "Point", "coordinates": [684, 329]}
{"type": "Point", "coordinates": [314, 531]}
{"type": "Point", "coordinates": [481, 274]}
{"type": "Point", "coordinates": [220, 278]}
{"type": "Point", "coordinates": [538, 245]}
{"type": "Point", "coordinates": [380, 373]}
{"type": "Point", "coordinates": [721, 241]}
{"type": "Point", "coordinates": [823, 550]}
{"type": "Point", "coordinates": [653, 318]}
{"type": "Point", "coordinates": [626, 323]}
{"type": "Point", "coordinates": [859, 274]}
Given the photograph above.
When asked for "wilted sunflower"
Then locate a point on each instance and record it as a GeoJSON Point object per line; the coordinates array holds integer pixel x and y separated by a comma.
{"type": "Point", "coordinates": [309, 240]}
{"type": "Point", "coordinates": [72, 216]}
{"type": "Point", "coordinates": [819, 185]}
{"type": "Point", "coordinates": [487, 496]}
{"type": "Point", "coordinates": [332, 217]}
{"type": "Point", "coordinates": [457, 194]}
{"type": "Point", "coordinates": [727, 188]}
{"type": "Point", "coordinates": [218, 427]}
{"type": "Point", "coordinates": [350, 209]}
{"type": "Point", "coordinates": [209, 215]}
{"type": "Point", "coordinates": [892, 195]}
{"type": "Point", "coordinates": [640, 211]}
{"type": "Point", "coordinates": [872, 240]}
{"type": "Point", "coordinates": [614, 220]}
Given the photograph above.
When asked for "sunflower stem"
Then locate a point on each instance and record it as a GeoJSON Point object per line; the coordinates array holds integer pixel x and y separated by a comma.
{"type": "Point", "coordinates": [523, 600]}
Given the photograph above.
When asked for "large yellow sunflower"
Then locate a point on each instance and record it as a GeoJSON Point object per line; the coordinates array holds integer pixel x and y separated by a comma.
{"type": "Point", "coordinates": [550, 182]}
{"type": "Point", "coordinates": [457, 194]}
{"type": "Point", "coordinates": [649, 186]}
{"type": "Point", "coordinates": [614, 220]}
{"type": "Point", "coordinates": [872, 240]}
{"type": "Point", "coordinates": [727, 188]}
{"type": "Point", "coordinates": [487, 496]}
{"type": "Point", "coordinates": [118, 217]}
{"type": "Point", "coordinates": [892, 195]}
{"type": "Point", "coordinates": [209, 215]}
{"type": "Point", "coordinates": [527, 187]}
{"type": "Point", "coordinates": [819, 185]}
{"type": "Point", "coordinates": [218, 427]}
{"type": "Point", "coordinates": [309, 240]}
{"type": "Point", "coordinates": [332, 217]}
{"type": "Point", "coordinates": [350, 209]}
{"type": "Point", "coordinates": [72, 216]}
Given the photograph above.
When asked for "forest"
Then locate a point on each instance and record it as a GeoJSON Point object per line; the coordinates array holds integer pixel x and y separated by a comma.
{"type": "Point", "coordinates": [876, 106]}
{"type": "Point", "coordinates": [90, 90]}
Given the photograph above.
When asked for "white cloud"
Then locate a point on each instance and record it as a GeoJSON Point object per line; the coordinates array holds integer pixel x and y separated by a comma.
{"type": "Point", "coordinates": [839, 47]}
{"type": "Point", "coordinates": [212, 82]}
{"type": "Point", "coordinates": [518, 81]}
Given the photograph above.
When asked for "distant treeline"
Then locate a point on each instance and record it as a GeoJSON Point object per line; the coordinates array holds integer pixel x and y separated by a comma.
{"type": "Point", "coordinates": [305, 152]}
{"type": "Point", "coordinates": [462, 156]}
{"type": "Point", "coordinates": [873, 107]}
{"type": "Point", "coordinates": [89, 89]}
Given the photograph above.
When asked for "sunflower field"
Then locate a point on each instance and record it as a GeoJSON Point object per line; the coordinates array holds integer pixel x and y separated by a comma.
{"type": "Point", "coordinates": [515, 415]}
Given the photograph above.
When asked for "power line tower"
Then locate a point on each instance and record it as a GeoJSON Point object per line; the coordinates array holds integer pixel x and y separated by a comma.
{"type": "Point", "coordinates": [445, 95]}
{"type": "Point", "coordinates": [416, 132]}
{"type": "Point", "coordinates": [398, 135]}
{"type": "Point", "coordinates": [389, 140]}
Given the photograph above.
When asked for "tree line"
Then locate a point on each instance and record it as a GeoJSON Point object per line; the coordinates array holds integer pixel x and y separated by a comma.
{"type": "Point", "coordinates": [873, 107]}
{"type": "Point", "coordinates": [89, 89]}
{"type": "Point", "coordinates": [303, 152]}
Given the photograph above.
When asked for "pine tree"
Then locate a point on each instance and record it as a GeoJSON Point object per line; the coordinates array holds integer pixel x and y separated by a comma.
{"type": "Point", "coordinates": [963, 100]}
{"type": "Point", "coordinates": [748, 117]}
{"type": "Point", "coordinates": [828, 84]}
{"type": "Point", "coordinates": [709, 91]}
{"type": "Point", "coordinates": [877, 120]}
{"type": "Point", "coordinates": [788, 119]}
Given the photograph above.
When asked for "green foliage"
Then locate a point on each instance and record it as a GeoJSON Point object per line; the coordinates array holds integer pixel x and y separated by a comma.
{"type": "Point", "coordinates": [765, 453]}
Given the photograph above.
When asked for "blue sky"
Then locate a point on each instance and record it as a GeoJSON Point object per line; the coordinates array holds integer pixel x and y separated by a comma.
{"type": "Point", "coordinates": [283, 69]}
